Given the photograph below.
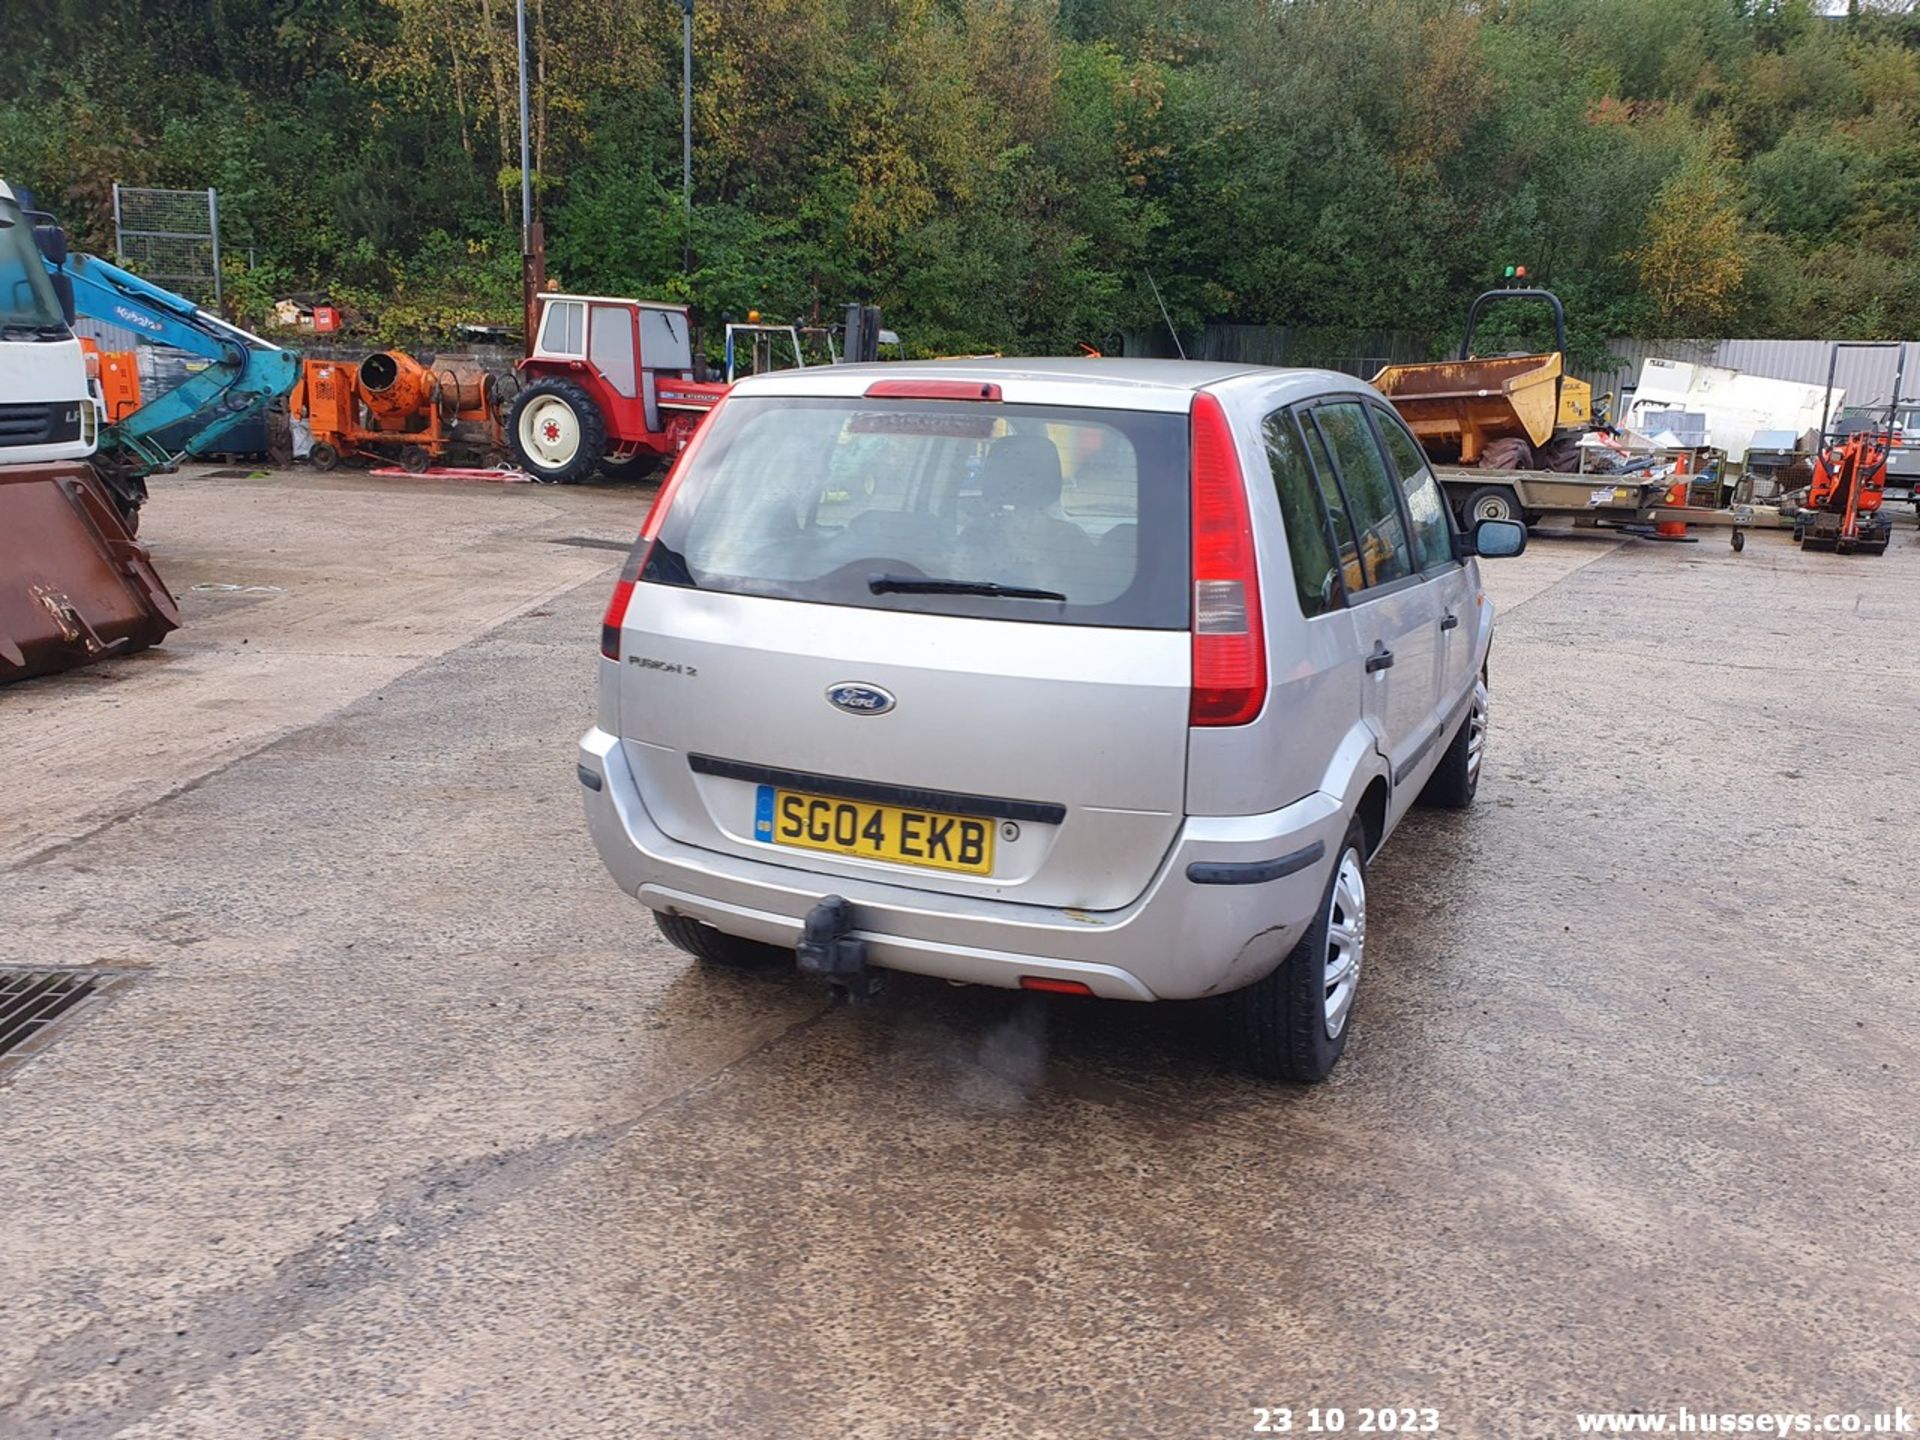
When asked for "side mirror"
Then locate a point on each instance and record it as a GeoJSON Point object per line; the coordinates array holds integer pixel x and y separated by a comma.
{"type": "Point", "coordinates": [63, 291]}
{"type": "Point", "coordinates": [51, 240]}
{"type": "Point", "coordinates": [1497, 539]}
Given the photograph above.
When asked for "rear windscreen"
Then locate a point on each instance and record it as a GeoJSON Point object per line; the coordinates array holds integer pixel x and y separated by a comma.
{"type": "Point", "coordinates": [858, 502]}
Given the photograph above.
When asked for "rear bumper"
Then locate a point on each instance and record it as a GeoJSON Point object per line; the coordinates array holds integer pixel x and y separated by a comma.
{"type": "Point", "coordinates": [1231, 898]}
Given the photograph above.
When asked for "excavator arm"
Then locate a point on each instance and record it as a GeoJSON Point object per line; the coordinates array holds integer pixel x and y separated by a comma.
{"type": "Point", "coordinates": [242, 376]}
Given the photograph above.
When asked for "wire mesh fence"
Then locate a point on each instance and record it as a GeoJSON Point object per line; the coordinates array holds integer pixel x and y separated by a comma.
{"type": "Point", "coordinates": [171, 237]}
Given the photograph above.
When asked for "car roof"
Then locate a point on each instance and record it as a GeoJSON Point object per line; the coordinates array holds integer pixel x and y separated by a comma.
{"type": "Point", "coordinates": [1092, 380]}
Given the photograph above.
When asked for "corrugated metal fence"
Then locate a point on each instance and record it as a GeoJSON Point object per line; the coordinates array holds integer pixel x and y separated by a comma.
{"type": "Point", "coordinates": [1866, 375]}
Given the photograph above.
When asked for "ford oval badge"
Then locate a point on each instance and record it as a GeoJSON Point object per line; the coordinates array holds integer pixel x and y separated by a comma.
{"type": "Point", "coordinates": [859, 699]}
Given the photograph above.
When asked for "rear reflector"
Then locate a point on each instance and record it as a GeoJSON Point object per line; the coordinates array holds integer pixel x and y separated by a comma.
{"type": "Point", "coordinates": [1054, 987]}
{"type": "Point", "coordinates": [1229, 647]}
{"type": "Point", "coordinates": [616, 615]}
{"type": "Point", "coordinates": [932, 390]}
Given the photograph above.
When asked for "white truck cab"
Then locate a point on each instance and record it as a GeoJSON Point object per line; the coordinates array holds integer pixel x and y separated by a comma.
{"type": "Point", "coordinates": [47, 409]}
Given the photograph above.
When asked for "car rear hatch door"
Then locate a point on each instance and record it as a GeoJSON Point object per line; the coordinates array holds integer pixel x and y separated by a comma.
{"type": "Point", "coordinates": [816, 666]}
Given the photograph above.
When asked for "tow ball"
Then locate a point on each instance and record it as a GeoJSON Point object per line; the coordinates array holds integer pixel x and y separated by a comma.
{"type": "Point", "coordinates": [829, 951]}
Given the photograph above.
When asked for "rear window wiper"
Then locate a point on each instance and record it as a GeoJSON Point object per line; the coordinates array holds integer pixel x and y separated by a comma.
{"type": "Point", "coordinates": [920, 585]}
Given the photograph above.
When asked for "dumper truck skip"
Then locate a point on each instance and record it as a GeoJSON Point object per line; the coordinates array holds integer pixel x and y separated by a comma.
{"type": "Point", "coordinates": [1504, 431]}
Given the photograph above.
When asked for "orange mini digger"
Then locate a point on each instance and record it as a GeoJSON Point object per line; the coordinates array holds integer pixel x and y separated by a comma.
{"type": "Point", "coordinates": [1842, 511]}
{"type": "Point", "coordinates": [1843, 504]}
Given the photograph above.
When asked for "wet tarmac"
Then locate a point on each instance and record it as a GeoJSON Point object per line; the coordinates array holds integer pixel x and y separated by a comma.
{"type": "Point", "coordinates": [411, 1125]}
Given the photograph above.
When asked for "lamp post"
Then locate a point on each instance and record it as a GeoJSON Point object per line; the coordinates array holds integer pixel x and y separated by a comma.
{"type": "Point", "coordinates": [526, 177]}
{"type": "Point", "coordinates": [533, 240]}
{"type": "Point", "coordinates": [686, 104]}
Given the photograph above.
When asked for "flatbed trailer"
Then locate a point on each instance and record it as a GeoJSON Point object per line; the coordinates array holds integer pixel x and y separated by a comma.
{"type": "Point", "coordinates": [1609, 500]}
{"type": "Point", "coordinates": [1533, 495]}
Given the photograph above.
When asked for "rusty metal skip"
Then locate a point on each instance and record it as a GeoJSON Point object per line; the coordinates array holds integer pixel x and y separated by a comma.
{"type": "Point", "coordinates": [75, 587]}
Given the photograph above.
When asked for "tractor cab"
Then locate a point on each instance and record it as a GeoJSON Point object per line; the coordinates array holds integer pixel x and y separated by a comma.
{"type": "Point", "coordinates": [609, 382]}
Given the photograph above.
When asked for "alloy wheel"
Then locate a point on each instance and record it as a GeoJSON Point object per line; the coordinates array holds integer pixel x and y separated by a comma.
{"type": "Point", "coordinates": [1346, 942]}
{"type": "Point", "coordinates": [1477, 730]}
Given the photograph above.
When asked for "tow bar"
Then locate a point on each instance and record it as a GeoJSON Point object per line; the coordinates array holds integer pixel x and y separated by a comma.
{"type": "Point", "coordinates": [828, 951]}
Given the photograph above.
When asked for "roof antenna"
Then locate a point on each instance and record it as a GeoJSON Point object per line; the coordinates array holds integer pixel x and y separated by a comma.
{"type": "Point", "coordinates": [1179, 349]}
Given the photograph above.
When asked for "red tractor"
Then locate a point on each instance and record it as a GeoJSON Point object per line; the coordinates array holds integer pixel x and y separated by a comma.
{"type": "Point", "coordinates": [609, 383]}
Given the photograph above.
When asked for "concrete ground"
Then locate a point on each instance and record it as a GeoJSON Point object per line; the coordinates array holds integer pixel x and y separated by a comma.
{"type": "Point", "coordinates": [410, 1125]}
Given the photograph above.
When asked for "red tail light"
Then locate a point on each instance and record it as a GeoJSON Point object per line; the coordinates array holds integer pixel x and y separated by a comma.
{"type": "Point", "coordinates": [1229, 648]}
{"type": "Point", "coordinates": [616, 615]}
{"type": "Point", "coordinates": [1051, 986]}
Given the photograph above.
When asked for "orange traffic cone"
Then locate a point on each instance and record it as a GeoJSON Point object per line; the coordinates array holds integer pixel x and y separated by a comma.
{"type": "Point", "coordinates": [1676, 496]}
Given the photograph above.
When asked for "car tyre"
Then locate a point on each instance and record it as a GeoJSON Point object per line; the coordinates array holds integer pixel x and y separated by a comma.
{"type": "Point", "coordinates": [637, 466]}
{"type": "Point", "coordinates": [556, 431]}
{"type": "Point", "coordinates": [1456, 779]}
{"type": "Point", "coordinates": [1294, 1024]}
{"type": "Point", "coordinates": [713, 947]}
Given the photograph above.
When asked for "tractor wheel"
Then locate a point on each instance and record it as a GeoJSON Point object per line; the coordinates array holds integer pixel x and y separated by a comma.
{"type": "Point", "coordinates": [323, 456]}
{"type": "Point", "coordinates": [1490, 502]}
{"type": "Point", "coordinates": [415, 459]}
{"type": "Point", "coordinates": [1509, 452]}
{"type": "Point", "coordinates": [557, 431]}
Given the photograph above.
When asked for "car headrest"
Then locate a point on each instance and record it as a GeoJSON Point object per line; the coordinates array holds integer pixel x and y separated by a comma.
{"type": "Point", "coordinates": [1022, 473]}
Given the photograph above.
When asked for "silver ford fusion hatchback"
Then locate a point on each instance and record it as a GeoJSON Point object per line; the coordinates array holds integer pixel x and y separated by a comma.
{"type": "Point", "coordinates": [1096, 677]}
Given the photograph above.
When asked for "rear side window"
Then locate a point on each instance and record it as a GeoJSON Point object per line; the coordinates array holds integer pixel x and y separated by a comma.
{"type": "Point", "coordinates": [1336, 504]}
{"type": "Point", "coordinates": [855, 501]}
{"type": "Point", "coordinates": [1315, 572]}
{"type": "Point", "coordinates": [1432, 535]}
{"type": "Point", "coordinates": [563, 331]}
{"type": "Point", "coordinates": [1384, 552]}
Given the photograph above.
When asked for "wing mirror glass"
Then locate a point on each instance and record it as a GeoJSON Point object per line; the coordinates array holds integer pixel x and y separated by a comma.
{"type": "Point", "coordinates": [51, 239]}
{"type": "Point", "coordinates": [1497, 539]}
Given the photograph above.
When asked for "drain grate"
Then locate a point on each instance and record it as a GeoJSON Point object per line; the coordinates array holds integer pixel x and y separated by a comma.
{"type": "Point", "coordinates": [32, 1002]}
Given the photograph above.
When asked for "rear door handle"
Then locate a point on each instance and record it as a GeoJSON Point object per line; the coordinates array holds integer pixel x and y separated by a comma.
{"type": "Point", "coordinates": [1452, 622]}
{"type": "Point", "coordinates": [1380, 659]}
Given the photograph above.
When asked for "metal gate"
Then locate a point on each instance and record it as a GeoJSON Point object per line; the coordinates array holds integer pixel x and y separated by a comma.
{"type": "Point", "coordinates": [171, 237]}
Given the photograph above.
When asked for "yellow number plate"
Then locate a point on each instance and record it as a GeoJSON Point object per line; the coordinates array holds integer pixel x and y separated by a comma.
{"type": "Point", "coordinates": [874, 832]}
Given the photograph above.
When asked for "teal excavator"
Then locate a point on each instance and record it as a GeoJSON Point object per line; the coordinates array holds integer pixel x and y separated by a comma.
{"type": "Point", "coordinates": [239, 377]}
